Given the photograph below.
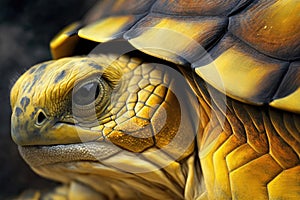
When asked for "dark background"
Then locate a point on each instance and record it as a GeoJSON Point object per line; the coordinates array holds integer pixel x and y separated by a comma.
{"type": "Point", "coordinates": [26, 27]}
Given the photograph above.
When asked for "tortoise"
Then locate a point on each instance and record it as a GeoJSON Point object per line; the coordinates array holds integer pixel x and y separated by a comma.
{"type": "Point", "coordinates": [167, 100]}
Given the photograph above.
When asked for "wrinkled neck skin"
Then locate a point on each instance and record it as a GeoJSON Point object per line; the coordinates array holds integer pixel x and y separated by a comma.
{"type": "Point", "coordinates": [148, 155]}
{"type": "Point", "coordinates": [174, 181]}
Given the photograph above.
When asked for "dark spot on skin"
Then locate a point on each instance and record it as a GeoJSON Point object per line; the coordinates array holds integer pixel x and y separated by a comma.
{"type": "Point", "coordinates": [36, 132]}
{"type": "Point", "coordinates": [60, 76]}
{"type": "Point", "coordinates": [33, 83]}
{"type": "Point", "coordinates": [38, 74]}
{"type": "Point", "coordinates": [18, 111]}
{"type": "Point", "coordinates": [32, 115]}
{"type": "Point", "coordinates": [26, 124]}
{"type": "Point", "coordinates": [25, 86]}
{"type": "Point", "coordinates": [94, 65]}
{"type": "Point", "coordinates": [24, 102]}
{"type": "Point", "coordinates": [32, 70]}
{"type": "Point", "coordinates": [41, 68]}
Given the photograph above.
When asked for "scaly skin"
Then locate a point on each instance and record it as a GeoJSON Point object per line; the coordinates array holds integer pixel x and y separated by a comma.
{"type": "Point", "coordinates": [247, 152]}
{"type": "Point", "coordinates": [140, 124]}
{"type": "Point", "coordinates": [138, 141]}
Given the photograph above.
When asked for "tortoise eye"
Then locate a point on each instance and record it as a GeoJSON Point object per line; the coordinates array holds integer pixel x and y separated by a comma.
{"type": "Point", "coordinates": [87, 93]}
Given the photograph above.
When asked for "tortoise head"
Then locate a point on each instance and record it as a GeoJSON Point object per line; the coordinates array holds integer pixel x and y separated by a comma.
{"type": "Point", "coordinates": [43, 98]}
{"type": "Point", "coordinates": [125, 104]}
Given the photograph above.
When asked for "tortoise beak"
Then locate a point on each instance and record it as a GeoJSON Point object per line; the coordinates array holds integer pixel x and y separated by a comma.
{"type": "Point", "coordinates": [37, 128]}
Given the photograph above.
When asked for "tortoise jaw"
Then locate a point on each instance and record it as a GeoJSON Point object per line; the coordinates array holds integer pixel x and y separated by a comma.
{"type": "Point", "coordinates": [52, 132]}
{"type": "Point", "coordinates": [37, 156]}
{"type": "Point", "coordinates": [97, 164]}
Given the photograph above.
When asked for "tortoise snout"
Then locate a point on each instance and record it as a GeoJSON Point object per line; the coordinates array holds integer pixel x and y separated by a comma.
{"type": "Point", "coordinates": [27, 125]}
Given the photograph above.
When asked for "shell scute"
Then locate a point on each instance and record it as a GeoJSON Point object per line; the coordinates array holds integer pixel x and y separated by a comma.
{"type": "Point", "coordinates": [271, 27]}
{"type": "Point", "coordinates": [108, 28]}
{"type": "Point", "coordinates": [287, 96]}
{"type": "Point", "coordinates": [171, 38]}
{"type": "Point", "coordinates": [106, 8]}
{"type": "Point", "coordinates": [251, 43]}
{"type": "Point", "coordinates": [241, 72]}
{"type": "Point", "coordinates": [198, 8]}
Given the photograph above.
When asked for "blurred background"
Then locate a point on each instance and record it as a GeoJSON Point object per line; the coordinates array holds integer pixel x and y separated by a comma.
{"type": "Point", "coordinates": [26, 27]}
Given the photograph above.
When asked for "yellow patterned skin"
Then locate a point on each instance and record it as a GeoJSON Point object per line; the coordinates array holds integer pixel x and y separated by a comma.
{"type": "Point", "coordinates": [132, 94]}
{"type": "Point", "coordinates": [133, 113]}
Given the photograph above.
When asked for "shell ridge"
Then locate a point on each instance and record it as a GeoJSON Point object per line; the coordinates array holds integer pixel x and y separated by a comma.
{"type": "Point", "coordinates": [270, 27]}
{"type": "Point", "coordinates": [111, 8]}
{"type": "Point", "coordinates": [252, 47]}
{"type": "Point", "coordinates": [242, 4]}
{"type": "Point", "coordinates": [280, 81]}
{"type": "Point", "coordinates": [269, 76]}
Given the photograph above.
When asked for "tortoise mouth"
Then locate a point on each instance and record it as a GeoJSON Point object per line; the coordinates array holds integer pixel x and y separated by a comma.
{"type": "Point", "coordinates": [37, 156]}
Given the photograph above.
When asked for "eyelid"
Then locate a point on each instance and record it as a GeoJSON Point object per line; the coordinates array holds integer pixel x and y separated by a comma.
{"type": "Point", "coordinates": [88, 92]}
{"type": "Point", "coordinates": [94, 78]}
{"type": "Point", "coordinates": [81, 110]}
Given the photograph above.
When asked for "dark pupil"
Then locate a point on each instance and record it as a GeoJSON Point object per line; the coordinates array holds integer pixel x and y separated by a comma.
{"type": "Point", "coordinates": [86, 94]}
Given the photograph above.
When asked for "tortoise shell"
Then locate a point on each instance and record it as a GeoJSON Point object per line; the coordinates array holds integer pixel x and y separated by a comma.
{"type": "Point", "coordinates": [252, 48]}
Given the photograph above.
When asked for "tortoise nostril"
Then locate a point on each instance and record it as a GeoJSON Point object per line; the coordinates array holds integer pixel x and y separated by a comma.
{"type": "Point", "coordinates": [41, 118]}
